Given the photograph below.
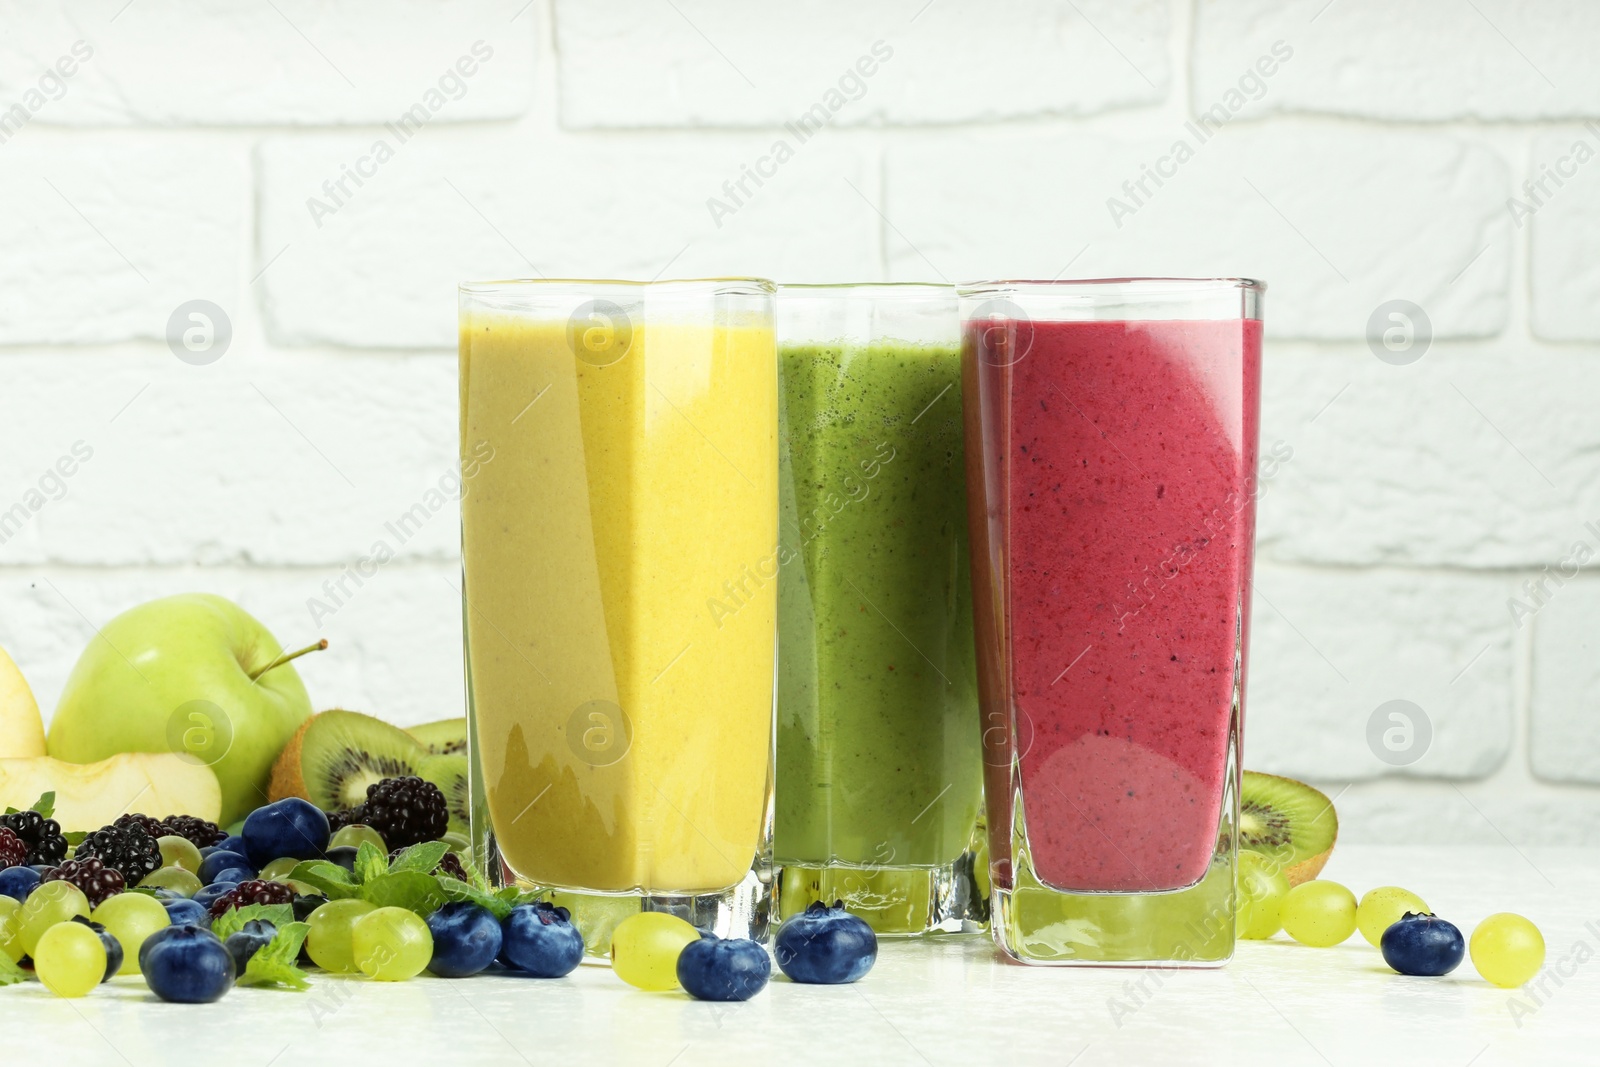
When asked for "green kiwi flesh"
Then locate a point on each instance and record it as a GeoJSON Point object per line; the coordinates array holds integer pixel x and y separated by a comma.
{"type": "Point", "coordinates": [1289, 822]}
{"type": "Point", "coordinates": [343, 752]}
{"type": "Point", "coordinates": [449, 773]}
{"type": "Point", "coordinates": [445, 737]}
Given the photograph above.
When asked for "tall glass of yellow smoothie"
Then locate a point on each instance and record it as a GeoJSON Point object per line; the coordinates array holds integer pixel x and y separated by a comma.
{"type": "Point", "coordinates": [619, 554]}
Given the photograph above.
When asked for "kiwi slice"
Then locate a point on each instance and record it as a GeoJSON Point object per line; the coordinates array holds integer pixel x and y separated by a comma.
{"type": "Point", "coordinates": [1288, 822]}
{"type": "Point", "coordinates": [337, 754]}
{"type": "Point", "coordinates": [445, 737]}
{"type": "Point", "coordinates": [449, 773]}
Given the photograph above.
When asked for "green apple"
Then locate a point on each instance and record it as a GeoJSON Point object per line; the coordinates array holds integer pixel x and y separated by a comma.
{"type": "Point", "coordinates": [193, 674]}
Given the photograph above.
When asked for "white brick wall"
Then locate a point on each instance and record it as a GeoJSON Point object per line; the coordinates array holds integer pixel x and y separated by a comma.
{"type": "Point", "coordinates": [1358, 153]}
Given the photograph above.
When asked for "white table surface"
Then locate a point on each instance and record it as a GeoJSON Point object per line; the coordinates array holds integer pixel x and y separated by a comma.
{"type": "Point", "coordinates": [946, 1001]}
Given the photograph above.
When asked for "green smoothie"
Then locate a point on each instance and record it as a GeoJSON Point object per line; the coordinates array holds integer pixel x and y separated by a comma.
{"type": "Point", "coordinates": [879, 760]}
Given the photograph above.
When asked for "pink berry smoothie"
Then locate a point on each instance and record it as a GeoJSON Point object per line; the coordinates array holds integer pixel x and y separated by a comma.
{"type": "Point", "coordinates": [1121, 510]}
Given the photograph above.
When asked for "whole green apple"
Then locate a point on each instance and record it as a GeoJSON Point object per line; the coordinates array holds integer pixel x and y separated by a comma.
{"type": "Point", "coordinates": [193, 674]}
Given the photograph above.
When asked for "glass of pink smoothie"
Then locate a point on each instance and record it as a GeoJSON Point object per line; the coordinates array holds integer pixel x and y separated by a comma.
{"type": "Point", "coordinates": [1111, 432]}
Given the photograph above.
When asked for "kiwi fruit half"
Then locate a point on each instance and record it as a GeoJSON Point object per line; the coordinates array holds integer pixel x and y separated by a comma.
{"type": "Point", "coordinates": [445, 737]}
{"type": "Point", "coordinates": [1289, 822]}
{"type": "Point", "coordinates": [337, 754]}
{"type": "Point", "coordinates": [449, 773]}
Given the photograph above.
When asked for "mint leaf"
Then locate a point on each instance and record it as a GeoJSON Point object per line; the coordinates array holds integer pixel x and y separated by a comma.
{"type": "Point", "coordinates": [513, 896]}
{"type": "Point", "coordinates": [371, 862]}
{"type": "Point", "coordinates": [232, 921]}
{"type": "Point", "coordinates": [76, 837]}
{"type": "Point", "coordinates": [330, 879]}
{"type": "Point", "coordinates": [405, 889]}
{"type": "Point", "coordinates": [274, 963]}
{"type": "Point", "coordinates": [455, 889]}
{"type": "Point", "coordinates": [474, 875]}
{"type": "Point", "coordinates": [421, 858]}
{"type": "Point", "coordinates": [46, 804]}
{"type": "Point", "coordinates": [10, 973]}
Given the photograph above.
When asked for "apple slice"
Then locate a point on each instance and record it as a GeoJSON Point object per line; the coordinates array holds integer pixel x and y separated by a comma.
{"type": "Point", "coordinates": [21, 728]}
{"type": "Point", "coordinates": [90, 795]}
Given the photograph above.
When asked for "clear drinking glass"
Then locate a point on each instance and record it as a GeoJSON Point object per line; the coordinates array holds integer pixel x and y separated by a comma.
{"type": "Point", "coordinates": [879, 769]}
{"type": "Point", "coordinates": [1112, 435]}
{"type": "Point", "coordinates": [621, 507]}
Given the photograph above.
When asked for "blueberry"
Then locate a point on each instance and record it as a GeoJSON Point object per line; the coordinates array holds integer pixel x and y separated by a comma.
{"type": "Point", "coordinates": [714, 969]}
{"type": "Point", "coordinates": [540, 940]}
{"type": "Point", "coordinates": [826, 946]}
{"type": "Point", "coordinates": [305, 904]}
{"type": "Point", "coordinates": [291, 827]}
{"type": "Point", "coordinates": [219, 861]}
{"type": "Point", "coordinates": [1423, 945]}
{"type": "Point", "coordinates": [210, 893]}
{"type": "Point", "coordinates": [113, 947]}
{"type": "Point", "coordinates": [344, 856]}
{"type": "Point", "coordinates": [186, 964]}
{"type": "Point", "coordinates": [183, 910]}
{"type": "Point", "coordinates": [233, 843]}
{"type": "Point", "coordinates": [18, 882]}
{"type": "Point", "coordinates": [249, 939]}
{"type": "Point", "coordinates": [466, 939]}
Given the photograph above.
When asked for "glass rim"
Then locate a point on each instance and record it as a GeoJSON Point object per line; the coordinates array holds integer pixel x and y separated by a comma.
{"type": "Point", "coordinates": [687, 286]}
{"type": "Point", "coordinates": [871, 288]}
{"type": "Point", "coordinates": [1145, 285]}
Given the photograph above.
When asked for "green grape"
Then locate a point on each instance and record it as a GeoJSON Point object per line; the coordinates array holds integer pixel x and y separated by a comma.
{"type": "Point", "coordinates": [645, 948]}
{"type": "Point", "coordinates": [177, 879]}
{"type": "Point", "coordinates": [278, 870]}
{"type": "Point", "coordinates": [51, 903]}
{"type": "Point", "coordinates": [356, 833]}
{"type": "Point", "coordinates": [1320, 913]}
{"type": "Point", "coordinates": [1507, 949]}
{"type": "Point", "coordinates": [391, 944]}
{"type": "Point", "coordinates": [301, 888]}
{"type": "Point", "coordinates": [458, 842]}
{"type": "Point", "coordinates": [1262, 886]}
{"type": "Point", "coordinates": [179, 852]}
{"type": "Point", "coordinates": [10, 927]}
{"type": "Point", "coordinates": [1381, 908]}
{"type": "Point", "coordinates": [70, 959]}
{"type": "Point", "coordinates": [328, 940]}
{"type": "Point", "coordinates": [130, 918]}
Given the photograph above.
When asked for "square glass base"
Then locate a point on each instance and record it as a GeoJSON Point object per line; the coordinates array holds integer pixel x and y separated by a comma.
{"type": "Point", "coordinates": [746, 910]}
{"type": "Point", "coordinates": [895, 901]}
{"type": "Point", "coordinates": [1191, 927]}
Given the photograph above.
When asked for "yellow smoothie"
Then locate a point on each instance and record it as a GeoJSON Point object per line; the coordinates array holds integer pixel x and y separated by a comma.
{"type": "Point", "coordinates": [622, 703]}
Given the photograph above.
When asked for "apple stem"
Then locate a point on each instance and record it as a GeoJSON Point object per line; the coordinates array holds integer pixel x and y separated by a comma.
{"type": "Point", "coordinates": [287, 656]}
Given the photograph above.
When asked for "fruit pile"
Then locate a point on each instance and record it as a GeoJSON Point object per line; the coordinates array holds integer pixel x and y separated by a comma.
{"type": "Point", "coordinates": [1287, 833]}
{"type": "Point", "coordinates": [140, 896]}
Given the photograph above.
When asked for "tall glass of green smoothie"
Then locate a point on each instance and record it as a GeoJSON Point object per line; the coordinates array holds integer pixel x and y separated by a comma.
{"type": "Point", "coordinates": [879, 766]}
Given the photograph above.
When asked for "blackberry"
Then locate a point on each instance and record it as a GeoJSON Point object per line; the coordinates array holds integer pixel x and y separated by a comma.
{"type": "Point", "coordinates": [148, 823]}
{"type": "Point", "coordinates": [406, 811]}
{"type": "Point", "coordinates": [46, 844]}
{"type": "Point", "coordinates": [127, 848]}
{"type": "Point", "coordinates": [198, 831]}
{"type": "Point", "coordinates": [90, 875]}
{"type": "Point", "coordinates": [449, 866]}
{"type": "Point", "coordinates": [255, 891]}
{"type": "Point", "coordinates": [13, 849]}
{"type": "Point", "coordinates": [338, 820]}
